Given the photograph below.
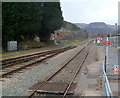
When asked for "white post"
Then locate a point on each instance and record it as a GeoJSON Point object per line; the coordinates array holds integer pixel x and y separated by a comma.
{"type": "Point", "coordinates": [107, 54]}
{"type": "Point", "coordinates": [117, 41]}
{"type": "Point", "coordinates": [116, 35]}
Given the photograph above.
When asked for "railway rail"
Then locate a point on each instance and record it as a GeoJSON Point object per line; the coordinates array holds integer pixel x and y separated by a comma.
{"type": "Point", "coordinates": [27, 57]}
{"type": "Point", "coordinates": [16, 64]}
{"type": "Point", "coordinates": [42, 84]}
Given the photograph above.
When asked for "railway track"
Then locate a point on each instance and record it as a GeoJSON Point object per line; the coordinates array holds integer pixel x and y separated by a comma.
{"type": "Point", "coordinates": [17, 60]}
{"type": "Point", "coordinates": [84, 53]}
{"type": "Point", "coordinates": [17, 64]}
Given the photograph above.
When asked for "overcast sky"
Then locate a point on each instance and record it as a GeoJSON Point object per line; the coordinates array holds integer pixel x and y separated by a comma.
{"type": "Point", "coordinates": [87, 11]}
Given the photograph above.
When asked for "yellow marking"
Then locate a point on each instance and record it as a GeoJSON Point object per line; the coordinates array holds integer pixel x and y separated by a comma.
{"type": "Point", "coordinates": [118, 47]}
{"type": "Point", "coordinates": [8, 55]}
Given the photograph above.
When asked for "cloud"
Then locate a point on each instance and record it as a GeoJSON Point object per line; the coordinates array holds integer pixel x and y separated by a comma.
{"type": "Point", "coordinates": [87, 11]}
{"type": "Point", "coordinates": [84, 1]}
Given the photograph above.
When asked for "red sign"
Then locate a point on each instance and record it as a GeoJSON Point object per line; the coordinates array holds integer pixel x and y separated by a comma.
{"type": "Point", "coordinates": [60, 36]}
{"type": "Point", "coordinates": [101, 36]}
{"type": "Point", "coordinates": [116, 69]}
{"type": "Point", "coordinates": [98, 38]}
{"type": "Point", "coordinates": [101, 41]}
{"type": "Point", "coordinates": [108, 43]}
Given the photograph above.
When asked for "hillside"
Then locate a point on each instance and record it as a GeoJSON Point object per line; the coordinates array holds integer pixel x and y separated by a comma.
{"type": "Point", "coordinates": [81, 25]}
{"type": "Point", "coordinates": [97, 27]}
{"type": "Point", "coordinates": [113, 27]}
{"type": "Point", "coordinates": [71, 32]}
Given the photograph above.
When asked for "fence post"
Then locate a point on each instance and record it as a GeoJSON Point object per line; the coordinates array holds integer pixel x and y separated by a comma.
{"type": "Point", "coordinates": [105, 84]}
{"type": "Point", "coordinates": [105, 64]}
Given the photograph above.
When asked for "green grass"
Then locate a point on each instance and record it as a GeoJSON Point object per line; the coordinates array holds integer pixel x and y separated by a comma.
{"type": "Point", "coordinates": [76, 42]}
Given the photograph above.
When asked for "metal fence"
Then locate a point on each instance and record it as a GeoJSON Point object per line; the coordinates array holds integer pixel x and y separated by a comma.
{"type": "Point", "coordinates": [115, 40]}
{"type": "Point", "coordinates": [105, 84]}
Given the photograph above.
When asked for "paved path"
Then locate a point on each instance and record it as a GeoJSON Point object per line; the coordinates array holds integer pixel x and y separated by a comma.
{"type": "Point", "coordinates": [112, 60]}
{"type": "Point", "coordinates": [91, 85]}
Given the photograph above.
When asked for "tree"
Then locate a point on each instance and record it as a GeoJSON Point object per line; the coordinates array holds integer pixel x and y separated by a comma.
{"type": "Point", "coordinates": [9, 22]}
{"type": "Point", "coordinates": [20, 20]}
{"type": "Point", "coordinates": [52, 19]}
{"type": "Point", "coordinates": [31, 17]}
{"type": "Point", "coordinates": [25, 20]}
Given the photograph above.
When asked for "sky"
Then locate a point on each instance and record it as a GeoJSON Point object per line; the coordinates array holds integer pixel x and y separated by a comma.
{"type": "Point", "coordinates": [87, 11]}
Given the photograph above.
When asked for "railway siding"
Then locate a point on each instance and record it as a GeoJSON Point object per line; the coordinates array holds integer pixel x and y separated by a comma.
{"type": "Point", "coordinates": [30, 59]}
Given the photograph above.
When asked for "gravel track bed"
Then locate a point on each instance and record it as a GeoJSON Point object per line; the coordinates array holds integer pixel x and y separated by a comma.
{"type": "Point", "coordinates": [69, 71]}
{"type": "Point", "coordinates": [19, 83]}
